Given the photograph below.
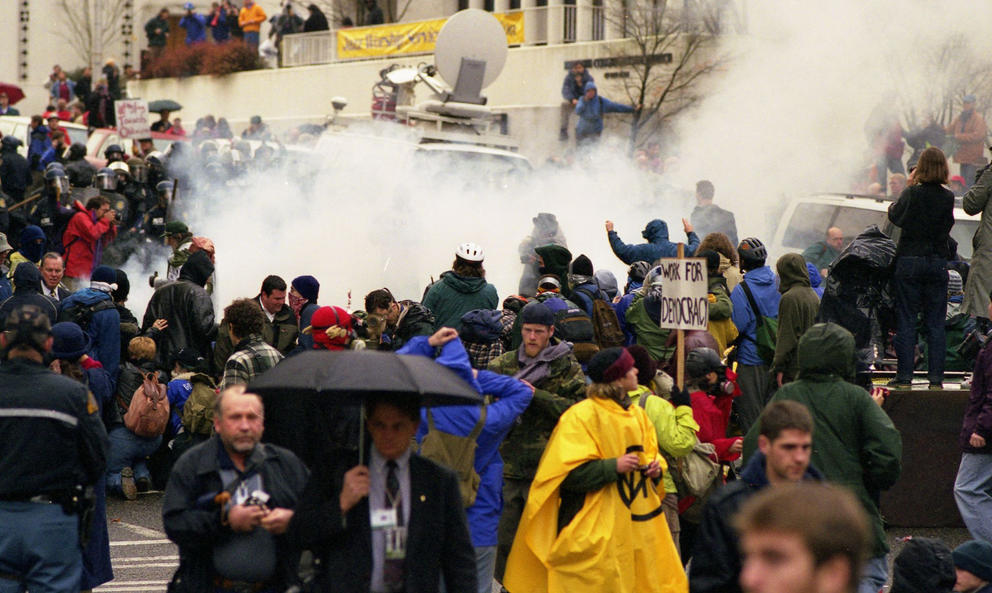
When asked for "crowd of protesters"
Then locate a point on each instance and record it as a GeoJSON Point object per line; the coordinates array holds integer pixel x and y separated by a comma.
{"type": "Point", "coordinates": [589, 466]}
{"type": "Point", "coordinates": [581, 476]}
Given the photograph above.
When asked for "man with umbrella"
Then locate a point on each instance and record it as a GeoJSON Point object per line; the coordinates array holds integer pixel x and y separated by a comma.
{"type": "Point", "coordinates": [229, 502]}
{"type": "Point", "coordinates": [396, 524]}
{"type": "Point", "coordinates": [163, 107]}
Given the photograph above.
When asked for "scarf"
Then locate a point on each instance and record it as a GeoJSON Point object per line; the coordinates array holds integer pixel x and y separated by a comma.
{"type": "Point", "coordinates": [535, 369]}
{"type": "Point", "coordinates": [296, 303]}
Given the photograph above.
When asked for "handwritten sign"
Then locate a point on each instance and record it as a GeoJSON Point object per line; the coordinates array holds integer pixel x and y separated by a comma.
{"type": "Point", "coordinates": [684, 302]}
{"type": "Point", "coordinates": [132, 118]}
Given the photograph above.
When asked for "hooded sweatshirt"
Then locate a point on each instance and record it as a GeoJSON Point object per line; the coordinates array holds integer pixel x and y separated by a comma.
{"type": "Point", "coordinates": [104, 327]}
{"type": "Point", "coordinates": [796, 312]}
{"type": "Point", "coordinates": [28, 292]}
{"type": "Point", "coordinates": [764, 287]}
{"type": "Point", "coordinates": [815, 279]}
{"type": "Point", "coordinates": [591, 111]}
{"type": "Point", "coordinates": [855, 444]}
{"type": "Point", "coordinates": [657, 246]}
{"type": "Point", "coordinates": [454, 295]}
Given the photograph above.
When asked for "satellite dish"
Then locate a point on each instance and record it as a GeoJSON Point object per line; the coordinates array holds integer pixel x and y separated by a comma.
{"type": "Point", "coordinates": [475, 35]}
{"type": "Point", "coordinates": [402, 75]}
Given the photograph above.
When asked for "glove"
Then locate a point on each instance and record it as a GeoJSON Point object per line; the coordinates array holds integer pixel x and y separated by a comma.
{"type": "Point", "coordinates": [680, 397]}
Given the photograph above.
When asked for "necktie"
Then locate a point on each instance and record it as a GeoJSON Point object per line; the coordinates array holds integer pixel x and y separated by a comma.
{"type": "Point", "coordinates": [392, 570]}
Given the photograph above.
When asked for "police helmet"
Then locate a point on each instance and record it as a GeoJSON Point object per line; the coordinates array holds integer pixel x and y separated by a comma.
{"type": "Point", "coordinates": [77, 151]}
{"type": "Point", "coordinates": [120, 167]}
{"type": "Point", "coordinates": [11, 142]}
{"type": "Point", "coordinates": [752, 253]}
{"type": "Point", "coordinates": [54, 173]}
{"type": "Point", "coordinates": [701, 361]}
{"type": "Point", "coordinates": [54, 165]}
{"type": "Point", "coordinates": [155, 159]}
{"type": "Point", "coordinates": [164, 189]}
{"type": "Point", "coordinates": [106, 179]}
{"type": "Point", "coordinates": [113, 148]}
{"type": "Point", "coordinates": [139, 169]}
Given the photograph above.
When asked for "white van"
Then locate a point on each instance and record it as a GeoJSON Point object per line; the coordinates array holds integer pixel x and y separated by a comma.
{"type": "Point", "coordinates": [806, 220]}
{"type": "Point", "coordinates": [17, 126]}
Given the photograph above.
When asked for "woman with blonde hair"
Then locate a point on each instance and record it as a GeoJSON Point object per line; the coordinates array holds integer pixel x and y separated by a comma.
{"type": "Point", "coordinates": [925, 213]}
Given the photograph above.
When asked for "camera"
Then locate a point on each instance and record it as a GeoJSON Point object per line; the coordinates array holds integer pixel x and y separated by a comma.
{"type": "Point", "coordinates": [257, 498]}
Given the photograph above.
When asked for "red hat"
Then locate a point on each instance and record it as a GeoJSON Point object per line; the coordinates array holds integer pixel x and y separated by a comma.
{"type": "Point", "coordinates": [330, 328]}
{"type": "Point", "coordinates": [959, 179]}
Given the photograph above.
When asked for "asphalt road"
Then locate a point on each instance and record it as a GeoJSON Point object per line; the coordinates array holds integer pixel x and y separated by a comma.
{"type": "Point", "coordinates": [144, 559]}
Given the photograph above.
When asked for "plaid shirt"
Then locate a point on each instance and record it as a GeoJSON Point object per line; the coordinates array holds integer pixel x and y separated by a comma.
{"type": "Point", "coordinates": [480, 354]}
{"type": "Point", "coordinates": [251, 357]}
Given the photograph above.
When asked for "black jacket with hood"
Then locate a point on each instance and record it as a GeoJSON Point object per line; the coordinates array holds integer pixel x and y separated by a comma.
{"type": "Point", "coordinates": [187, 307]}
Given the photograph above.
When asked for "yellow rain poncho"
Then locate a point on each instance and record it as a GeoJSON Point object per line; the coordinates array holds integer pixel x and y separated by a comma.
{"type": "Point", "coordinates": [619, 541]}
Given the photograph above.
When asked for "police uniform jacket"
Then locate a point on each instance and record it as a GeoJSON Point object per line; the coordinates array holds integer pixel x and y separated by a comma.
{"type": "Point", "coordinates": [51, 435]}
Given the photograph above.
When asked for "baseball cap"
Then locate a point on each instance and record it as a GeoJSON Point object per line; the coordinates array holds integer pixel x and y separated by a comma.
{"type": "Point", "coordinates": [175, 227]}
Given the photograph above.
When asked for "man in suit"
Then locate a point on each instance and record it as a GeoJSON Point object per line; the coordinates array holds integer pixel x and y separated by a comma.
{"type": "Point", "coordinates": [52, 270]}
{"type": "Point", "coordinates": [396, 524]}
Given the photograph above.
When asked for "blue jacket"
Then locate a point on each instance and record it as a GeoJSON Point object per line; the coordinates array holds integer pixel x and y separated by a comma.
{"type": "Point", "coordinates": [178, 391]}
{"type": "Point", "coordinates": [815, 279]}
{"type": "Point", "coordinates": [305, 341]}
{"type": "Point", "coordinates": [196, 28]}
{"type": "Point", "coordinates": [511, 398]}
{"type": "Point", "coordinates": [658, 245]}
{"type": "Point", "coordinates": [580, 297]}
{"type": "Point", "coordinates": [40, 144]}
{"type": "Point", "coordinates": [6, 290]}
{"type": "Point", "coordinates": [104, 329]}
{"type": "Point", "coordinates": [570, 90]}
{"type": "Point", "coordinates": [591, 112]}
{"type": "Point", "coordinates": [54, 91]}
{"type": "Point", "coordinates": [764, 286]}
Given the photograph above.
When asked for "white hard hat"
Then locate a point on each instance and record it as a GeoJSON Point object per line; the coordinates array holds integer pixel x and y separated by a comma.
{"type": "Point", "coordinates": [471, 252]}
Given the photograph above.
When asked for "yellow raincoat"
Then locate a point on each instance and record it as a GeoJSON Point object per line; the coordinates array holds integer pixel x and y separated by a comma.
{"type": "Point", "coordinates": [619, 541]}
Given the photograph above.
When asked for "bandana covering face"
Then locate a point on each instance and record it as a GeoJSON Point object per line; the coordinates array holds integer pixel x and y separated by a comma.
{"type": "Point", "coordinates": [296, 303]}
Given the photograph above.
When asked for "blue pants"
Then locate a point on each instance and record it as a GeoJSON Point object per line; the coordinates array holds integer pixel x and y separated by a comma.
{"type": "Point", "coordinates": [39, 543]}
{"type": "Point", "coordinates": [920, 285]}
{"type": "Point", "coordinates": [875, 575]}
{"type": "Point", "coordinates": [251, 38]}
{"type": "Point", "coordinates": [973, 493]}
{"type": "Point", "coordinates": [128, 450]}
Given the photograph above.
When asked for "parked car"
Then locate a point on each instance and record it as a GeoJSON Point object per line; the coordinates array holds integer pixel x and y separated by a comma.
{"type": "Point", "coordinates": [17, 126]}
{"type": "Point", "coordinates": [806, 220]}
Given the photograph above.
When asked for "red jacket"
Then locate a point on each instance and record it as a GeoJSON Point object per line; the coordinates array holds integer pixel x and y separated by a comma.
{"type": "Point", "coordinates": [712, 414]}
{"type": "Point", "coordinates": [84, 239]}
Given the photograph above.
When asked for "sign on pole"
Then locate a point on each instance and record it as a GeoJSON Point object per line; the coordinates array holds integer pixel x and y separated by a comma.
{"type": "Point", "coordinates": [132, 118]}
{"type": "Point", "coordinates": [684, 302]}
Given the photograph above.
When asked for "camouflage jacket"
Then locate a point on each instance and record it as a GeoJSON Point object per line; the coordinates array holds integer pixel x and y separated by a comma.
{"type": "Point", "coordinates": [524, 445]}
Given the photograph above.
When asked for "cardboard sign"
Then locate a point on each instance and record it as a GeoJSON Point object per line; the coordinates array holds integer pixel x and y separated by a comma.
{"type": "Point", "coordinates": [132, 118]}
{"type": "Point", "coordinates": [684, 302]}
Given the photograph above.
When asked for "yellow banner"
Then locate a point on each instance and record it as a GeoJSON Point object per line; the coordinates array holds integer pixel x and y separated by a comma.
{"type": "Point", "coordinates": [409, 38]}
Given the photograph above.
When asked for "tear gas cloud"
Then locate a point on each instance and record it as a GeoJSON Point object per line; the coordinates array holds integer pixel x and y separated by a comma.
{"type": "Point", "coordinates": [785, 117]}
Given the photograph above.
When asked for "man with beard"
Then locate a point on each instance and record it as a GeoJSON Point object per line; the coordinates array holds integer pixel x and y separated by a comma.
{"type": "Point", "coordinates": [229, 501]}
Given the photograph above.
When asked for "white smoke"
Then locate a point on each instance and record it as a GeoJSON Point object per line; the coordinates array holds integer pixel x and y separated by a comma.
{"type": "Point", "coordinates": [784, 118]}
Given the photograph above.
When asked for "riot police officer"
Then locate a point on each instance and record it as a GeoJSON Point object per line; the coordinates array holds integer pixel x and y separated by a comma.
{"type": "Point", "coordinates": [132, 192]}
{"type": "Point", "coordinates": [114, 153]}
{"type": "Point", "coordinates": [52, 446]}
{"type": "Point", "coordinates": [156, 218]}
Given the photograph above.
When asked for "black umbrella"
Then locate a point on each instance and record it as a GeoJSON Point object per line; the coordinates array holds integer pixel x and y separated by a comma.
{"type": "Point", "coordinates": [164, 105]}
{"type": "Point", "coordinates": [311, 399]}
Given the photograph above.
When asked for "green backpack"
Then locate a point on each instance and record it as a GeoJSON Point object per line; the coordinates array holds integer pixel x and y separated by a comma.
{"type": "Point", "coordinates": [766, 332]}
{"type": "Point", "coordinates": [455, 453]}
{"type": "Point", "coordinates": [198, 411]}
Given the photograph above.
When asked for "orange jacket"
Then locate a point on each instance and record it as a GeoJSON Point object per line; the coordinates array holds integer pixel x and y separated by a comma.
{"type": "Point", "coordinates": [972, 135]}
{"type": "Point", "coordinates": [250, 19]}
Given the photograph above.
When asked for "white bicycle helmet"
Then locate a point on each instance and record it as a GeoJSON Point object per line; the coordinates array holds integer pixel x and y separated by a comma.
{"type": "Point", "coordinates": [471, 252]}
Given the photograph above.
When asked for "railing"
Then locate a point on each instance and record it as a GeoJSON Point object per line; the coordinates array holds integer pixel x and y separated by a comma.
{"type": "Point", "coordinates": [542, 25]}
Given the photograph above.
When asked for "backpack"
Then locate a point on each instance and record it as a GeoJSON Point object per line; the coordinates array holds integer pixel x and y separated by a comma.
{"type": "Point", "coordinates": [198, 411]}
{"type": "Point", "coordinates": [148, 414]}
{"type": "Point", "coordinates": [573, 325]}
{"type": "Point", "coordinates": [605, 323]}
{"type": "Point", "coordinates": [81, 314]}
{"type": "Point", "coordinates": [766, 331]}
{"type": "Point", "coordinates": [455, 453]}
{"type": "Point", "coordinates": [696, 474]}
